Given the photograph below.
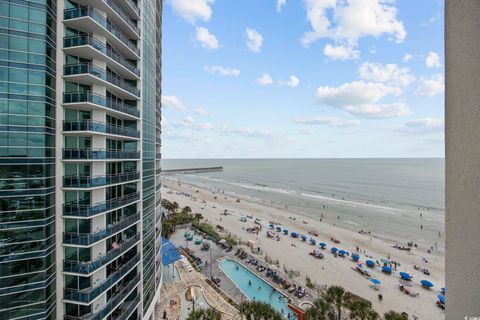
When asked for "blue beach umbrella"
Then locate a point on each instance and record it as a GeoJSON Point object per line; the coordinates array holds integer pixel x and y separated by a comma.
{"type": "Point", "coordinates": [313, 241]}
{"type": "Point", "coordinates": [294, 234]}
{"type": "Point", "coordinates": [442, 290]}
{"type": "Point", "coordinates": [279, 229]}
{"type": "Point", "coordinates": [387, 269]}
{"type": "Point", "coordinates": [285, 231]}
{"type": "Point", "coordinates": [271, 226]}
{"type": "Point", "coordinates": [333, 250]}
{"type": "Point", "coordinates": [405, 276]}
{"type": "Point", "coordinates": [375, 281]}
{"type": "Point", "coordinates": [370, 263]}
{"type": "Point", "coordinates": [355, 257]}
{"type": "Point", "coordinates": [322, 244]}
{"type": "Point", "coordinates": [426, 283]}
{"type": "Point", "coordinates": [342, 252]}
{"type": "Point", "coordinates": [304, 238]}
{"type": "Point", "coordinates": [441, 298]}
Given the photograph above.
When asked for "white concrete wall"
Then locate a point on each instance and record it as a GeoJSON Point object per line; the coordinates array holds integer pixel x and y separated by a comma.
{"type": "Point", "coordinates": [462, 120]}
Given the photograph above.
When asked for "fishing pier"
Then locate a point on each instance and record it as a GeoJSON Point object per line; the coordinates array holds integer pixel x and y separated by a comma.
{"type": "Point", "coordinates": [190, 170]}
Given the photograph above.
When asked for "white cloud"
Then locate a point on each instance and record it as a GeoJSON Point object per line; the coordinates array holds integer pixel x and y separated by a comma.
{"type": "Point", "coordinates": [340, 52]}
{"type": "Point", "coordinates": [431, 86]}
{"type": "Point", "coordinates": [224, 71]}
{"type": "Point", "coordinates": [346, 22]}
{"type": "Point", "coordinates": [265, 80]}
{"type": "Point", "coordinates": [292, 82]}
{"type": "Point", "coordinates": [425, 125]}
{"type": "Point", "coordinates": [280, 5]}
{"type": "Point", "coordinates": [206, 39]}
{"type": "Point", "coordinates": [327, 120]}
{"type": "Point", "coordinates": [191, 10]}
{"type": "Point", "coordinates": [362, 99]}
{"type": "Point", "coordinates": [432, 60]}
{"type": "Point", "coordinates": [188, 120]}
{"type": "Point", "coordinates": [407, 57]}
{"type": "Point", "coordinates": [173, 102]}
{"type": "Point", "coordinates": [354, 93]}
{"type": "Point", "coordinates": [206, 126]}
{"type": "Point", "coordinates": [254, 40]}
{"type": "Point", "coordinates": [388, 73]}
{"type": "Point", "coordinates": [203, 112]}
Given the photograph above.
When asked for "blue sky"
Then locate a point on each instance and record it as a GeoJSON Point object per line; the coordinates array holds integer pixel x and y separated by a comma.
{"type": "Point", "coordinates": [302, 78]}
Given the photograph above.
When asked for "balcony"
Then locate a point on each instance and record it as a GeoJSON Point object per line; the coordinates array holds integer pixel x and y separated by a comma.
{"type": "Point", "coordinates": [89, 267]}
{"type": "Point", "coordinates": [89, 74]}
{"type": "Point", "coordinates": [88, 47]}
{"type": "Point", "coordinates": [125, 309]}
{"type": "Point", "coordinates": [90, 294]}
{"type": "Point", "coordinates": [114, 301]}
{"type": "Point", "coordinates": [87, 98]}
{"type": "Point", "coordinates": [100, 127]}
{"type": "Point", "coordinates": [76, 209]}
{"type": "Point", "coordinates": [89, 20]}
{"type": "Point", "coordinates": [84, 182]}
{"type": "Point", "coordinates": [87, 239]}
{"type": "Point", "coordinates": [99, 154]}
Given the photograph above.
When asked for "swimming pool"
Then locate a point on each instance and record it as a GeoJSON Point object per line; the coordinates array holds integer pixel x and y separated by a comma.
{"type": "Point", "coordinates": [258, 289]}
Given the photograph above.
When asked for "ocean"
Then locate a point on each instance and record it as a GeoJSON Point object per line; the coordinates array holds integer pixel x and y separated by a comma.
{"type": "Point", "coordinates": [396, 199]}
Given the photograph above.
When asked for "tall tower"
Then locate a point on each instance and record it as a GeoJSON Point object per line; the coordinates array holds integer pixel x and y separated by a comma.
{"type": "Point", "coordinates": [79, 160]}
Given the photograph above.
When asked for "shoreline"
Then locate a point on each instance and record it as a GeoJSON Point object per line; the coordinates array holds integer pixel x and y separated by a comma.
{"type": "Point", "coordinates": [293, 254]}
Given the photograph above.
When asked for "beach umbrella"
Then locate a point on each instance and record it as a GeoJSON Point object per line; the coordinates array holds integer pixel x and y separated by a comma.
{"type": "Point", "coordinates": [370, 263]}
{"type": "Point", "coordinates": [355, 257]}
{"type": "Point", "coordinates": [441, 298]}
{"type": "Point", "coordinates": [273, 267]}
{"type": "Point", "coordinates": [426, 283]}
{"type": "Point", "coordinates": [322, 244]}
{"type": "Point", "coordinates": [375, 281]}
{"type": "Point", "coordinates": [294, 234]}
{"type": "Point", "coordinates": [333, 250]}
{"type": "Point", "coordinates": [271, 226]}
{"type": "Point", "coordinates": [405, 276]}
{"type": "Point", "coordinates": [342, 252]}
{"type": "Point", "coordinates": [387, 269]}
{"type": "Point", "coordinates": [304, 238]}
{"type": "Point", "coordinates": [313, 241]}
{"type": "Point", "coordinates": [279, 229]}
{"type": "Point", "coordinates": [285, 231]}
{"type": "Point", "coordinates": [442, 290]}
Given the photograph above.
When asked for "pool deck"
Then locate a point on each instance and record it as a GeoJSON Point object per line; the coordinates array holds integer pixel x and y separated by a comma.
{"type": "Point", "coordinates": [171, 296]}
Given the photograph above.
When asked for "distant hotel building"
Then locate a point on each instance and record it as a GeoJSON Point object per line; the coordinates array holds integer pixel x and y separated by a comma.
{"type": "Point", "coordinates": [80, 217]}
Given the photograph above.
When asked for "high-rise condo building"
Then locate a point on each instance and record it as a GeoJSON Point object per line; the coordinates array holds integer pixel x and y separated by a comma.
{"type": "Point", "coordinates": [80, 218]}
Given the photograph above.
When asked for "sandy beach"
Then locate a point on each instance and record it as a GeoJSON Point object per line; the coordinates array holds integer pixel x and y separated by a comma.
{"type": "Point", "coordinates": [293, 253]}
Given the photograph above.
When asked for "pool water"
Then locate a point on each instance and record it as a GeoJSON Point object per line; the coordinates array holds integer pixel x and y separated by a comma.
{"type": "Point", "coordinates": [258, 290]}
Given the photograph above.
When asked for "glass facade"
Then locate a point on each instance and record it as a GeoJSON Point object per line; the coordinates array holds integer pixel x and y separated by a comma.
{"type": "Point", "coordinates": [27, 159]}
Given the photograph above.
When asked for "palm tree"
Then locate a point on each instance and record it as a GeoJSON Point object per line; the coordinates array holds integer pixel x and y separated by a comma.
{"type": "Point", "coordinates": [337, 296]}
{"type": "Point", "coordinates": [392, 315]}
{"type": "Point", "coordinates": [175, 206]}
{"type": "Point", "coordinates": [362, 310]}
{"type": "Point", "coordinates": [321, 310]}
{"type": "Point", "coordinates": [204, 314]}
{"type": "Point", "coordinates": [254, 310]}
{"type": "Point", "coordinates": [198, 216]}
{"type": "Point", "coordinates": [185, 211]}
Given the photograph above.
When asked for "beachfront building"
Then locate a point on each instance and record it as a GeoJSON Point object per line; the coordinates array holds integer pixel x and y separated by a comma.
{"type": "Point", "coordinates": [80, 216]}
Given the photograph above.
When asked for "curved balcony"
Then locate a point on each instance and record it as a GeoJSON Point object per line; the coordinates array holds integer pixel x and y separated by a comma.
{"type": "Point", "coordinates": [87, 73]}
{"type": "Point", "coordinates": [84, 182]}
{"type": "Point", "coordinates": [89, 47]}
{"type": "Point", "coordinates": [90, 294]}
{"type": "Point", "coordinates": [82, 99]}
{"type": "Point", "coordinates": [116, 299]}
{"type": "Point", "coordinates": [76, 209]}
{"type": "Point", "coordinates": [99, 154]}
{"type": "Point", "coordinates": [87, 239]}
{"type": "Point", "coordinates": [89, 267]}
{"type": "Point", "coordinates": [89, 20]}
{"type": "Point", "coordinates": [100, 127]}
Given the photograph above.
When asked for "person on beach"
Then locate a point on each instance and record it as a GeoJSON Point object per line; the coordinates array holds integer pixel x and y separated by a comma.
{"type": "Point", "coordinates": [380, 297]}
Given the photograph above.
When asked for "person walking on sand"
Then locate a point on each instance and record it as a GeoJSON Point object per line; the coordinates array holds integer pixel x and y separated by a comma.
{"type": "Point", "coordinates": [380, 297]}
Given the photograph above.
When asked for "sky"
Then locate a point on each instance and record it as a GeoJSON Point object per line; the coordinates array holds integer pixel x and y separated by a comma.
{"type": "Point", "coordinates": [302, 79]}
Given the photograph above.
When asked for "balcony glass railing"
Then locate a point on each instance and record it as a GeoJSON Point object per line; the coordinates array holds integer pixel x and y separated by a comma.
{"type": "Point", "coordinates": [87, 96]}
{"type": "Point", "coordinates": [95, 15]}
{"type": "Point", "coordinates": [99, 181]}
{"type": "Point", "coordinates": [134, 6]}
{"type": "Point", "coordinates": [87, 68]}
{"type": "Point", "coordinates": [79, 209]}
{"type": "Point", "coordinates": [87, 239]}
{"type": "Point", "coordinates": [84, 40]}
{"type": "Point", "coordinates": [124, 310]}
{"type": "Point", "coordinates": [88, 295]}
{"type": "Point", "coordinates": [98, 154]}
{"type": "Point", "coordinates": [114, 301]}
{"type": "Point", "coordinates": [89, 267]}
{"type": "Point", "coordinates": [122, 14]}
{"type": "Point", "coordinates": [97, 126]}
